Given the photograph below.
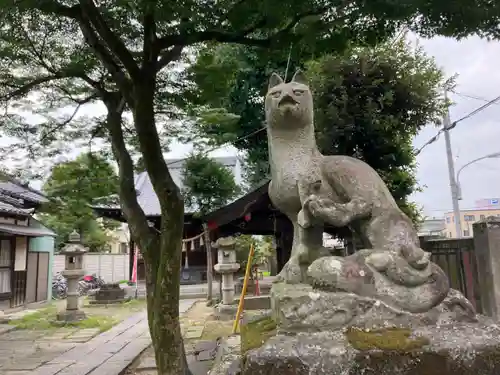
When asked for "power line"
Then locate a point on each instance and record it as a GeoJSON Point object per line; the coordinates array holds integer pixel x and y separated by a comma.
{"type": "Point", "coordinates": [476, 111]}
{"type": "Point", "coordinates": [454, 123]}
{"type": "Point", "coordinates": [184, 158]}
{"type": "Point", "coordinates": [221, 145]}
{"type": "Point", "coordinates": [475, 97]}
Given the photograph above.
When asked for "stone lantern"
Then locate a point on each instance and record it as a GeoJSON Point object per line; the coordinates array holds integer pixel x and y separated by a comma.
{"type": "Point", "coordinates": [227, 266]}
{"type": "Point", "coordinates": [73, 252]}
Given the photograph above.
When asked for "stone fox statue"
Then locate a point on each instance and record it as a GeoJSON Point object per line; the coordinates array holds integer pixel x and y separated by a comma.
{"type": "Point", "coordinates": [312, 189]}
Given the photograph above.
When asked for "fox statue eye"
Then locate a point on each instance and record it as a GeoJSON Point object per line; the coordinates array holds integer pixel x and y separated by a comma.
{"type": "Point", "coordinates": [276, 94]}
{"type": "Point", "coordinates": [298, 92]}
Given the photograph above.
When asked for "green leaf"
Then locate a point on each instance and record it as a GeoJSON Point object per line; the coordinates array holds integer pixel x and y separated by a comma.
{"type": "Point", "coordinates": [72, 187]}
{"type": "Point", "coordinates": [208, 185]}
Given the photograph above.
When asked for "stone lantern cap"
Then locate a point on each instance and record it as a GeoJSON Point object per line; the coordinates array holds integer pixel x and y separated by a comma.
{"type": "Point", "coordinates": [226, 243]}
{"type": "Point", "coordinates": [73, 246]}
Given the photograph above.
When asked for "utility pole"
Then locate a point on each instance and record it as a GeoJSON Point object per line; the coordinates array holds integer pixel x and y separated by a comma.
{"type": "Point", "coordinates": [451, 171]}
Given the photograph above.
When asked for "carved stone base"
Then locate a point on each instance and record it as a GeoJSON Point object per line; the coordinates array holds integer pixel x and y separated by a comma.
{"type": "Point", "coordinates": [70, 316]}
{"type": "Point", "coordinates": [453, 349]}
{"type": "Point", "coordinates": [382, 275]}
{"type": "Point", "coordinates": [110, 293]}
{"type": "Point", "coordinates": [300, 308]}
{"type": "Point", "coordinates": [226, 312]}
{"type": "Point", "coordinates": [109, 302]}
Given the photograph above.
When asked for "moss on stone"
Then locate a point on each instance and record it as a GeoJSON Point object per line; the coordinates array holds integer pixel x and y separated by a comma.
{"type": "Point", "coordinates": [255, 333]}
{"type": "Point", "coordinates": [392, 339]}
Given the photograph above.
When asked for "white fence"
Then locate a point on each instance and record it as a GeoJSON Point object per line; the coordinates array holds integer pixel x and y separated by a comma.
{"type": "Point", "coordinates": [111, 267]}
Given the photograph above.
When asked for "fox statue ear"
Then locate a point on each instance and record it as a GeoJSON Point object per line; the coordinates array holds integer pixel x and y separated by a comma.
{"type": "Point", "coordinates": [299, 77]}
{"type": "Point", "coordinates": [275, 80]}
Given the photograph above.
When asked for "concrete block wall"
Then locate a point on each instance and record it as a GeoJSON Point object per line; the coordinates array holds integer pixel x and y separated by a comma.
{"type": "Point", "coordinates": [111, 267]}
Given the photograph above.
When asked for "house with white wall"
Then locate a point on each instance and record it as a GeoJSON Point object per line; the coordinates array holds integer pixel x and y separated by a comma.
{"type": "Point", "coordinates": [26, 247]}
{"type": "Point", "coordinates": [194, 260]}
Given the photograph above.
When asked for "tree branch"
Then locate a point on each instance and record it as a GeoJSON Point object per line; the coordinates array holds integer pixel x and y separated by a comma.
{"type": "Point", "coordinates": [168, 56]}
{"type": "Point", "coordinates": [113, 42]}
{"type": "Point", "coordinates": [35, 51]}
{"type": "Point", "coordinates": [109, 63]}
{"type": "Point", "coordinates": [132, 210]}
{"type": "Point", "coordinates": [97, 94]}
{"type": "Point", "coordinates": [53, 7]}
{"type": "Point", "coordinates": [26, 88]}
{"type": "Point", "coordinates": [58, 127]}
{"type": "Point", "coordinates": [149, 50]}
{"type": "Point", "coordinates": [62, 73]}
{"type": "Point", "coordinates": [56, 75]}
{"type": "Point", "coordinates": [239, 38]}
{"type": "Point", "coordinates": [61, 125]}
{"type": "Point", "coordinates": [204, 36]}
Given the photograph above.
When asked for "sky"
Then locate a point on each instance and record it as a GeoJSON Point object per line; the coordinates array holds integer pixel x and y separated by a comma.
{"type": "Point", "coordinates": [473, 60]}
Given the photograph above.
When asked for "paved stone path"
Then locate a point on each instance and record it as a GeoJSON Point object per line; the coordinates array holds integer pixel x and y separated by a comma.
{"type": "Point", "coordinates": [76, 352]}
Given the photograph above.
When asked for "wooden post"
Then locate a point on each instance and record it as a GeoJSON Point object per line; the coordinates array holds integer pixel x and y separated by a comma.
{"type": "Point", "coordinates": [131, 252]}
{"type": "Point", "coordinates": [244, 289]}
{"type": "Point", "coordinates": [210, 266]}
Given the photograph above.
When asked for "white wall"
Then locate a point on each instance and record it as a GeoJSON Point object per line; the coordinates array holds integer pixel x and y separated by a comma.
{"type": "Point", "coordinates": [111, 267]}
{"type": "Point", "coordinates": [21, 248]}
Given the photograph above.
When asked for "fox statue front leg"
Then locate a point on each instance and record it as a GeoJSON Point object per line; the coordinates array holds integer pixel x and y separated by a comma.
{"type": "Point", "coordinates": [307, 240]}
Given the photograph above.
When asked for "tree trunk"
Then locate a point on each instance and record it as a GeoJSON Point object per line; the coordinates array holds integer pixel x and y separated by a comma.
{"type": "Point", "coordinates": [163, 259]}
{"type": "Point", "coordinates": [210, 267]}
{"type": "Point", "coordinates": [161, 249]}
{"type": "Point", "coordinates": [163, 309]}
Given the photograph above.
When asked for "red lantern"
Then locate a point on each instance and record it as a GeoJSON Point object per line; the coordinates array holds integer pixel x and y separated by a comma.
{"type": "Point", "coordinates": [212, 225]}
{"type": "Point", "coordinates": [248, 217]}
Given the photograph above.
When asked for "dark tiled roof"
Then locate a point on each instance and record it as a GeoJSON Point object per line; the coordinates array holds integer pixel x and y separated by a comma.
{"type": "Point", "coordinates": [21, 230]}
{"type": "Point", "coordinates": [146, 196]}
{"type": "Point", "coordinates": [10, 186]}
{"type": "Point", "coordinates": [9, 209]}
{"type": "Point", "coordinates": [240, 205]}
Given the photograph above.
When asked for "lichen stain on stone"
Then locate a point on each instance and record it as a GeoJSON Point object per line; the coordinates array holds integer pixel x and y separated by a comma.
{"type": "Point", "coordinates": [389, 339]}
{"type": "Point", "coordinates": [256, 333]}
{"type": "Point", "coordinates": [423, 363]}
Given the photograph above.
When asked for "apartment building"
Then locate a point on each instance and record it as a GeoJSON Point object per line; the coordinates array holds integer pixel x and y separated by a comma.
{"type": "Point", "coordinates": [467, 218]}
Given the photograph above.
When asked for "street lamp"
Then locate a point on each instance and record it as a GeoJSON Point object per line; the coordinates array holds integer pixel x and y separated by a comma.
{"type": "Point", "coordinates": [459, 188]}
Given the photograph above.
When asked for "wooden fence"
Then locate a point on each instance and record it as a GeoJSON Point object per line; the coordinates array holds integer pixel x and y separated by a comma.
{"type": "Point", "coordinates": [456, 258]}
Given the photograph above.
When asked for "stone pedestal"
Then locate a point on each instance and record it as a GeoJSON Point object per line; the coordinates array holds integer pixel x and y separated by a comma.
{"type": "Point", "coordinates": [109, 294]}
{"type": "Point", "coordinates": [72, 312]}
{"type": "Point", "coordinates": [71, 315]}
{"type": "Point", "coordinates": [463, 349]}
{"type": "Point", "coordinates": [73, 271]}
{"type": "Point", "coordinates": [227, 266]}
{"type": "Point", "coordinates": [300, 308]}
{"type": "Point", "coordinates": [321, 332]}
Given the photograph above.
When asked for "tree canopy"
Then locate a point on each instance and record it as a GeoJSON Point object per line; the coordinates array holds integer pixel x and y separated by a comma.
{"type": "Point", "coordinates": [369, 103]}
{"type": "Point", "coordinates": [71, 188]}
{"type": "Point", "coordinates": [121, 54]}
{"type": "Point", "coordinates": [208, 185]}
